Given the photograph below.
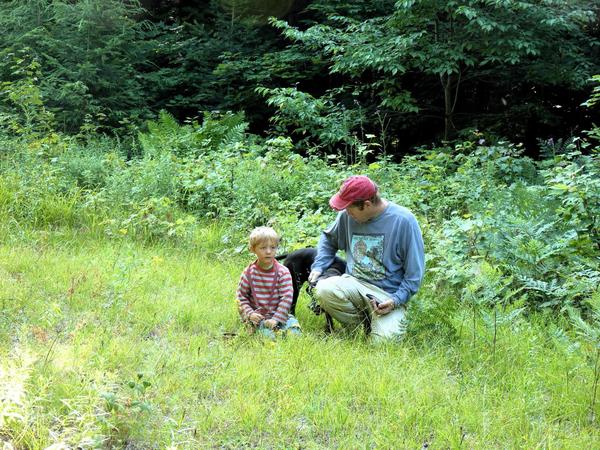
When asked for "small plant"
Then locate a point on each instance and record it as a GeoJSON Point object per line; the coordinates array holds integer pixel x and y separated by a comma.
{"type": "Point", "coordinates": [15, 373]}
{"type": "Point", "coordinates": [153, 219]}
{"type": "Point", "coordinates": [125, 406]}
{"type": "Point", "coordinates": [574, 182]}
{"type": "Point", "coordinates": [489, 288]}
{"type": "Point", "coordinates": [589, 330]}
{"type": "Point", "coordinates": [330, 124]}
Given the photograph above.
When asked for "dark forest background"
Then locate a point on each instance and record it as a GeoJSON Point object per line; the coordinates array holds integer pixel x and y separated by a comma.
{"type": "Point", "coordinates": [329, 73]}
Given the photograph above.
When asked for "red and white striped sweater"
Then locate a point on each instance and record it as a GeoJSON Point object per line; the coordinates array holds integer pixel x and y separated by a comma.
{"type": "Point", "coordinates": [267, 292]}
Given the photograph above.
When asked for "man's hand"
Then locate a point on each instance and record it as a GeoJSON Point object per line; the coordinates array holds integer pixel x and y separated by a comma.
{"type": "Point", "coordinates": [383, 307]}
{"type": "Point", "coordinates": [255, 318]}
{"type": "Point", "coordinates": [271, 323]}
{"type": "Point", "coordinates": [314, 276]}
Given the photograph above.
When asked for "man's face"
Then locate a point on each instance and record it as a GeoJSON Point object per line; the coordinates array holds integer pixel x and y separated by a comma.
{"type": "Point", "coordinates": [360, 214]}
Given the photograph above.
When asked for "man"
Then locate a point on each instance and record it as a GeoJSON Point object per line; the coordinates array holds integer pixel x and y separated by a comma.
{"type": "Point", "coordinates": [385, 256]}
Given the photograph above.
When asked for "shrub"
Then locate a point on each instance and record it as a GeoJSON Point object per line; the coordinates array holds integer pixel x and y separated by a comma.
{"type": "Point", "coordinates": [536, 224]}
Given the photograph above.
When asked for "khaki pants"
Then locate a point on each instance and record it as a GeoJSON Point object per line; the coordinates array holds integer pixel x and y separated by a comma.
{"type": "Point", "coordinates": [345, 299]}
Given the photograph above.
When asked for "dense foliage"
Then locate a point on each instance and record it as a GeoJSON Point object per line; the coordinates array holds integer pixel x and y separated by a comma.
{"type": "Point", "coordinates": [331, 73]}
{"type": "Point", "coordinates": [87, 55]}
{"type": "Point", "coordinates": [487, 210]}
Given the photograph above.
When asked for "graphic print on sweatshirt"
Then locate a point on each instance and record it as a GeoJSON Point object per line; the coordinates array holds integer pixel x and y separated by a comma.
{"type": "Point", "coordinates": [367, 250]}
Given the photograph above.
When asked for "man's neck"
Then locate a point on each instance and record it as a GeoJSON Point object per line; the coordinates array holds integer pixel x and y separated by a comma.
{"type": "Point", "coordinates": [379, 208]}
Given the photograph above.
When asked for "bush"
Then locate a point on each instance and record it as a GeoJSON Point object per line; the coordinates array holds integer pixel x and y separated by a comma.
{"type": "Point", "coordinates": [535, 224]}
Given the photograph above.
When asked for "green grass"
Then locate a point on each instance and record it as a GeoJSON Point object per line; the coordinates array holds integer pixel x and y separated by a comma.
{"type": "Point", "coordinates": [85, 321]}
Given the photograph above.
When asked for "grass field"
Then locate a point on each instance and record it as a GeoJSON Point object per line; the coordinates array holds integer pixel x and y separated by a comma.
{"type": "Point", "coordinates": [112, 344]}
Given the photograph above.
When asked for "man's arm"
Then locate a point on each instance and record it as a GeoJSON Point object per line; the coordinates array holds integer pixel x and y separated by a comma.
{"type": "Point", "coordinates": [327, 247]}
{"type": "Point", "coordinates": [325, 255]}
{"type": "Point", "coordinates": [411, 250]}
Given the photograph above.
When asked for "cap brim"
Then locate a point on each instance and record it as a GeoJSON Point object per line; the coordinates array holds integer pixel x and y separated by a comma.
{"type": "Point", "coordinates": [337, 203]}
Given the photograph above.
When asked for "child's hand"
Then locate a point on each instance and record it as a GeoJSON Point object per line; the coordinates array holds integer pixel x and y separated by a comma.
{"type": "Point", "coordinates": [271, 323]}
{"type": "Point", "coordinates": [255, 318]}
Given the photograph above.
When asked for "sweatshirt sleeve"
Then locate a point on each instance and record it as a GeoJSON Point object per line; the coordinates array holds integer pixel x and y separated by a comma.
{"type": "Point", "coordinates": [285, 290]}
{"type": "Point", "coordinates": [244, 295]}
{"type": "Point", "coordinates": [411, 250]}
{"type": "Point", "coordinates": [327, 247]}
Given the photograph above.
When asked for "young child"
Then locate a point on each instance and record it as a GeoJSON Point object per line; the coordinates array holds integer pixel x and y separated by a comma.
{"type": "Point", "coordinates": [265, 289]}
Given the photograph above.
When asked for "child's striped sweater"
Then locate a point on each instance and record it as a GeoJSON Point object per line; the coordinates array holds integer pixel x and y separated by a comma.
{"type": "Point", "coordinates": [267, 292]}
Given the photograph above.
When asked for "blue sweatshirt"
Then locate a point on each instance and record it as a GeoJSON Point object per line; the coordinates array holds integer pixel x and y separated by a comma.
{"type": "Point", "coordinates": [387, 251]}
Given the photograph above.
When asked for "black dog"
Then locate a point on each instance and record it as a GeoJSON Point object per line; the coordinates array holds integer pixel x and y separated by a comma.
{"type": "Point", "coordinates": [298, 262]}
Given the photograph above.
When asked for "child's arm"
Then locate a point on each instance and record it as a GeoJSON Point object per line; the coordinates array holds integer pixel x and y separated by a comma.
{"type": "Point", "coordinates": [244, 296]}
{"type": "Point", "coordinates": [286, 291]}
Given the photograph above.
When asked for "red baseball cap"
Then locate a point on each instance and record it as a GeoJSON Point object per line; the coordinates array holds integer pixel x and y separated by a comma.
{"type": "Point", "coordinates": [355, 188]}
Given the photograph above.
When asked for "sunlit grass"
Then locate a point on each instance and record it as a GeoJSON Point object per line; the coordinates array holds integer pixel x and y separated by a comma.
{"type": "Point", "coordinates": [108, 343]}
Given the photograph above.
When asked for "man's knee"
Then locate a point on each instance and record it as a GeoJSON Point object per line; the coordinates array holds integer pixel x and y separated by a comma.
{"type": "Point", "coordinates": [391, 327]}
{"type": "Point", "coordinates": [326, 288]}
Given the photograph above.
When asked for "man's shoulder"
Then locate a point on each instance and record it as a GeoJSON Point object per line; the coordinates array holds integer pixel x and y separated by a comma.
{"type": "Point", "coordinates": [400, 212]}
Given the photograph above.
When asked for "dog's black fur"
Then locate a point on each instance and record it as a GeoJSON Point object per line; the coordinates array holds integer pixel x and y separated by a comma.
{"type": "Point", "coordinates": [298, 262]}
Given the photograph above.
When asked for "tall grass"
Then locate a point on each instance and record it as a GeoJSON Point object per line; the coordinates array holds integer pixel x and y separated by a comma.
{"type": "Point", "coordinates": [117, 344]}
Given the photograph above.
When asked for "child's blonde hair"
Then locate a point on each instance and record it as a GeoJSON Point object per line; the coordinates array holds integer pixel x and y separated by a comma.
{"type": "Point", "coordinates": [262, 234]}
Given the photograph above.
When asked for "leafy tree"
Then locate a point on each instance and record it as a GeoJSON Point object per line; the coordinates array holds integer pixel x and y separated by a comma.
{"type": "Point", "coordinates": [213, 63]}
{"type": "Point", "coordinates": [254, 11]}
{"type": "Point", "coordinates": [414, 48]}
{"type": "Point", "coordinates": [89, 52]}
{"type": "Point", "coordinates": [330, 123]}
{"type": "Point", "coordinates": [594, 102]}
{"type": "Point", "coordinates": [22, 108]}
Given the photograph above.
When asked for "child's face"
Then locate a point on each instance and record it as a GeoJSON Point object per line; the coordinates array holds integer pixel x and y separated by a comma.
{"type": "Point", "coordinates": [265, 252]}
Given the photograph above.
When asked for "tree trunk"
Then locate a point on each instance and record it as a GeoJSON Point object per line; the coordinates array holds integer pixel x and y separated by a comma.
{"type": "Point", "coordinates": [450, 83]}
{"type": "Point", "coordinates": [447, 105]}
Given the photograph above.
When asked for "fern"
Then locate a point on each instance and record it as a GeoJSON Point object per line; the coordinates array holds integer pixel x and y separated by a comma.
{"type": "Point", "coordinates": [235, 134]}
